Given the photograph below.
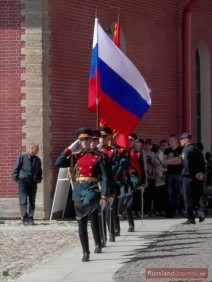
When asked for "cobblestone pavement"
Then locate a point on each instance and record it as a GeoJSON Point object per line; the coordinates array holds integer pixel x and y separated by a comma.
{"type": "Point", "coordinates": [184, 246]}
{"type": "Point", "coordinates": [22, 247]}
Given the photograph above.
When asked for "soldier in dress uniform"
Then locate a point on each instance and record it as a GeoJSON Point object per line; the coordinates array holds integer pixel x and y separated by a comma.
{"type": "Point", "coordinates": [137, 179]}
{"type": "Point", "coordinates": [119, 163]}
{"type": "Point", "coordinates": [112, 166]}
{"type": "Point", "coordinates": [103, 208]}
{"type": "Point", "coordinates": [86, 195]}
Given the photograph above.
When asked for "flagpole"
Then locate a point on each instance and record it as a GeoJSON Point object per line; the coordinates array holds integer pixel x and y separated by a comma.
{"type": "Point", "coordinates": [97, 80]}
{"type": "Point", "coordinates": [118, 14]}
{"type": "Point", "coordinates": [97, 100]}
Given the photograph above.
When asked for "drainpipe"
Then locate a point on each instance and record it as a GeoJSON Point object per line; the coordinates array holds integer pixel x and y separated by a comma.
{"type": "Point", "coordinates": [186, 55]}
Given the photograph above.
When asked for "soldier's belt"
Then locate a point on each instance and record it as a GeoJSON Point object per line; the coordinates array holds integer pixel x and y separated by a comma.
{"type": "Point", "coordinates": [90, 179]}
{"type": "Point", "coordinates": [132, 170]}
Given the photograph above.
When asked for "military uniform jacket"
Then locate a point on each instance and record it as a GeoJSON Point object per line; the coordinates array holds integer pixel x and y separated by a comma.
{"type": "Point", "coordinates": [113, 162]}
{"type": "Point", "coordinates": [136, 168]}
{"type": "Point", "coordinates": [89, 165]}
{"type": "Point", "coordinates": [123, 159]}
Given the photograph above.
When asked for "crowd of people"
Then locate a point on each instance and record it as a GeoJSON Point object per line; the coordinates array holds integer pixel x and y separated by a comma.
{"type": "Point", "coordinates": [115, 179]}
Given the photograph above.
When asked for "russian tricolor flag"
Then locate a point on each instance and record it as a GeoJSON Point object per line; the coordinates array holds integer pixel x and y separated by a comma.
{"type": "Point", "coordinates": [116, 87]}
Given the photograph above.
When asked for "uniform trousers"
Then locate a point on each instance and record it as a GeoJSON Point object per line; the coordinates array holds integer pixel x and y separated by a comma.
{"type": "Point", "coordinates": [86, 202]}
{"type": "Point", "coordinates": [126, 201]}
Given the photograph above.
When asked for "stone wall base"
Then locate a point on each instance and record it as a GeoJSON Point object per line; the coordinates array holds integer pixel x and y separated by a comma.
{"type": "Point", "coordinates": [9, 208]}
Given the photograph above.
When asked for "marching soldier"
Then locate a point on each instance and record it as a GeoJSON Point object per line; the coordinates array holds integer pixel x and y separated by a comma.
{"type": "Point", "coordinates": [86, 195]}
{"type": "Point", "coordinates": [103, 209]}
{"type": "Point", "coordinates": [112, 164]}
{"type": "Point", "coordinates": [137, 179]}
{"type": "Point", "coordinates": [118, 159]}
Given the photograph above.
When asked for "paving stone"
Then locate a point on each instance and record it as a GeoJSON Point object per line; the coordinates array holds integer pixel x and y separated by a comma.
{"type": "Point", "coordinates": [22, 247]}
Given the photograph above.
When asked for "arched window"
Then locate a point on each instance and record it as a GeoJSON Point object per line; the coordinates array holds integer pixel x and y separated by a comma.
{"type": "Point", "coordinates": [203, 95]}
{"type": "Point", "coordinates": [198, 97]}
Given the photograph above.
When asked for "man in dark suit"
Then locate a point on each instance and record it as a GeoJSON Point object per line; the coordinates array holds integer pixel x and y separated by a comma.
{"type": "Point", "coordinates": [28, 173]}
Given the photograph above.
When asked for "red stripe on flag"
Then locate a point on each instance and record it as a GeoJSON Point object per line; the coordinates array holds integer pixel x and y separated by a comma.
{"type": "Point", "coordinates": [113, 115]}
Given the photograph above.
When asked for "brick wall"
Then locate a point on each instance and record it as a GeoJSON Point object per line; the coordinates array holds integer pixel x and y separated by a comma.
{"type": "Point", "coordinates": [24, 97]}
{"type": "Point", "coordinates": [10, 93]}
{"type": "Point", "coordinates": [151, 34]}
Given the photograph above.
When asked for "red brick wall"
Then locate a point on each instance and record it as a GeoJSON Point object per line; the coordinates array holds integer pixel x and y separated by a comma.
{"type": "Point", "coordinates": [153, 33]}
{"type": "Point", "coordinates": [10, 93]}
{"type": "Point", "coordinates": [151, 43]}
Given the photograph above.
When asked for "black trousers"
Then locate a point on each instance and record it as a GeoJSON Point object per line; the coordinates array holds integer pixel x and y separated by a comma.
{"type": "Point", "coordinates": [102, 224]}
{"type": "Point", "coordinates": [136, 206]}
{"type": "Point", "coordinates": [161, 198]}
{"type": "Point", "coordinates": [149, 196]}
{"type": "Point", "coordinates": [192, 191]}
{"type": "Point", "coordinates": [115, 216]}
{"type": "Point", "coordinates": [27, 193]}
{"type": "Point", "coordinates": [83, 213]}
{"type": "Point", "coordinates": [125, 204]}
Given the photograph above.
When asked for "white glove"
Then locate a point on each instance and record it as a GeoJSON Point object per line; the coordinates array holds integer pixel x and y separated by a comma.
{"type": "Point", "coordinates": [102, 204]}
{"type": "Point", "coordinates": [74, 145]}
{"type": "Point", "coordinates": [200, 176]}
{"type": "Point", "coordinates": [142, 188]}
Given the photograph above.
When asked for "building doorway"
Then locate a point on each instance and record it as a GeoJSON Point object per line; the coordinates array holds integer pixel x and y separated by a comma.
{"type": "Point", "coordinates": [203, 96]}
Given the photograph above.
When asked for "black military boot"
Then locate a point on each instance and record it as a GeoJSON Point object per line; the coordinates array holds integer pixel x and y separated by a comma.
{"type": "Point", "coordinates": [112, 238]}
{"type": "Point", "coordinates": [85, 246]}
{"type": "Point", "coordinates": [86, 257]}
{"type": "Point", "coordinates": [97, 239]}
{"type": "Point", "coordinates": [116, 224]}
{"type": "Point", "coordinates": [102, 229]}
{"type": "Point", "coordinates": [130, 219]}
{"type": "Point", "coordinates": [131, 228]}
{"type": "Point", "coordinates": [98, 249]}
{"type": "Point", "coordinates": [110, 224]}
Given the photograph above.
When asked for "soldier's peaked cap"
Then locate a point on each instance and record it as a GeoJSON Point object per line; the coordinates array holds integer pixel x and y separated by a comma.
{"type": "Point", "coordinates": [84, 132]}
{"type": "Point", "coordinates": [96, 133]}
{"type": "Point", "coordinates": [105, 130]}
{"type": "Point", "coordinates": [133, 136]}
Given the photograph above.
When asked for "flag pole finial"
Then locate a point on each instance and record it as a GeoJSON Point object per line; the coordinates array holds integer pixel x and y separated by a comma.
{"type": "Point", "coordinates": [96, 12]}
{"type": "Point", "coordinates": [118, 14]}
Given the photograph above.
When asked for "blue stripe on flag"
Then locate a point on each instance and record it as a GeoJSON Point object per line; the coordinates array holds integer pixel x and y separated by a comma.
{"type": "Point", "coordinates": [94, 59]}
{"type": "Point", "coordinates": [120, 91]}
